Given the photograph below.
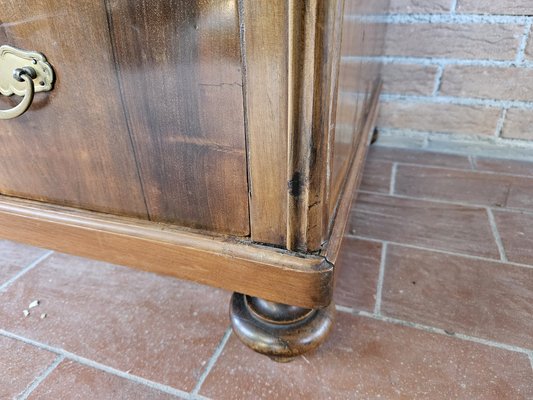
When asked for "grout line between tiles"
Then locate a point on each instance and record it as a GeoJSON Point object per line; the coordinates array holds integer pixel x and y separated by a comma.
{"type": "Point", "coordinates": [96, 365]}
{"type": "Point", "coordinates": [473, 162]}
{"type": "Point", "coordinates": [379, 289]}
{"type": "Point", "coordinates": [438, 81]}
{"type": "Point", "coordinates": [531, 359]}
{"type": "Point", "coordinates": [436, 61]}
{"type": "Point", "coordinates": [521, 53]}
{"type": "Point", "coordinates": [501, 122]}
{"type": "Point", "coordinates": [463, 101]}
{"type": "Point", "coordinates": [394, 171]}
{"type": "Point", "coordinates": [212, 361]}
{"type": "Point", "coordinates": [453, 7]}
{"type": "Point", "coordinates": [496, 234]}
{"type": "Point", "coordinates": [502, 149]}
{"type": "Point", "coordinates": [432, 329]}
{"type": "Point", "coordinates": [449, 202]}
{"type": "Point", "coordinates": [504, 174]}
{"type": "Point", "coordinates": [41, 377]}
{"type": "Point", "coordinates": [451, 18]}
{"type": "Point", "coordinates": [31, 266]}
{"type": "Point", "coordinates": [451, 253]}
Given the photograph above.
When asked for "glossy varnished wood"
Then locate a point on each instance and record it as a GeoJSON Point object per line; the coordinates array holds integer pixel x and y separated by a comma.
{"type": "Point", "coordinates": [72, 146]}
{"type": "Point", "coordinates": [352, 106]}
{"type": "Point", "coordinates": [273, 274]}
{"type": "Point", "coordinates": [179, 67]}
{"type": "Point", "coordinates": [265, 55]}
{"type": "Point", "coordinates": [291, 58]}
{"type": "Point", "coordinates": [352, 180]}
{"type": "Point", "coordinates": [226, 116]}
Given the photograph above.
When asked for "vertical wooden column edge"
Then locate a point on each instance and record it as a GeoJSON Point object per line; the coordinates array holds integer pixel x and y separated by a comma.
{"type": "Point", "coordinates": [311, 40]}
{"type": "Point", "coordinates": [264, 53]}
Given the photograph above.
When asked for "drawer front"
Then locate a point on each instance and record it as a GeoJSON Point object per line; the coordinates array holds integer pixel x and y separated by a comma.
{"type": "Point", "coordinates": [146, 116]}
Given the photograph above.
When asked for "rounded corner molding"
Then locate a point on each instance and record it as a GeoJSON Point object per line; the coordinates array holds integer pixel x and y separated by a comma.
{"type": "Point", "coordinates": [23, 73]}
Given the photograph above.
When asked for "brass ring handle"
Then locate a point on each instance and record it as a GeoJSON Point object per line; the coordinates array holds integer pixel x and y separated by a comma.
{"type": "Point", "coordinates": [27, 75]}
{"type": "Point", "coordinates": [23, 73]}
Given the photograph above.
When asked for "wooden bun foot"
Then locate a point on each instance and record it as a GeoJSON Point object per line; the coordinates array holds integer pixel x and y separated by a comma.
{"type": "Point", "coordinates": [279, 331]}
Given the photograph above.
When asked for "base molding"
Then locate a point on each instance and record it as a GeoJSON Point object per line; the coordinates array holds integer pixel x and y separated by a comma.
{"type": "Point", "coordinates": [229, 263]}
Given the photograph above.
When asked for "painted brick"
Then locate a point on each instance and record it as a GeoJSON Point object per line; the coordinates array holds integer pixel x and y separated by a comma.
{"type": "Point", "coordinates": [469, 41]}
{"type": "Point", "coordinates": [529, 47]}
{"type": "Point", "coordinates": [504, 83]}
{"type": "Point", "coordinates": [356, 7]}
{"type": "Point", "coordinates": [505, 7]}
{"type": "Point", "coordinates": [373, 42]}
{"type": "Point", "coordinates": [448, 118]}
{"type": "Point", "coordinates": [518, 124]}
{"type": "Point", "coordinates": [410, 79]}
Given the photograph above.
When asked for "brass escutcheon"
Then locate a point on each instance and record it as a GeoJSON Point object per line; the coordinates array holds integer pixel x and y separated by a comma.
{"type": "Point", "coordinates": [23, 73]}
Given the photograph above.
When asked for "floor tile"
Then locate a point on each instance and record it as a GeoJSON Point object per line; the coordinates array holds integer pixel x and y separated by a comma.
{"type": "Point", "coordinates": [516, 232]}
{"type": "Point", "coordinates": [357, 274]}
{"type": "Point", "coordinates": [418, 157]}
{"type": "Point", "coordinates": [368, 359]}
{"type": "Point", "coordinates": [157, 327]}
{"type": "Point", "coordinates": [424, 223]}
{"type": "Point", "coordinates": [14, 257]}
{"type": "Point", "coordinates": [465, 186]}
{"type": "Point", "coordinates": [72, 381]}
{"type": "Point", "coordinates": [20, 364]}
{"type": "Point", "coordinates": [479, 298]}
{"type": "Point", "coordinates": [376, 176]}
{"type": "Point", "coordinates": [504, 166]}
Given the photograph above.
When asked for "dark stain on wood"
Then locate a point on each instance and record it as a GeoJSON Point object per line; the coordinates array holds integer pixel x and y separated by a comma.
{"type": "Point", "coordinates": [295, 185]}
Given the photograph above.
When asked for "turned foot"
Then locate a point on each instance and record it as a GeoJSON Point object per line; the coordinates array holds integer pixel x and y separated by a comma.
{"type": "Point", "coordinates": [279, 331]}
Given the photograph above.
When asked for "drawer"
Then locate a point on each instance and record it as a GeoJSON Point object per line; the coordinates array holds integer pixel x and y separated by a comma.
{"type": "Point", "coordinates": [146, 116]}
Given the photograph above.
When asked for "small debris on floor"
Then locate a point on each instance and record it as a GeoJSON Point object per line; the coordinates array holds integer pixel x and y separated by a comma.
{"type": "Point", "coordinates": [43, 315]}
{"type": "Point", "coordinates": [34, 303]}
{"type": "Point", "coordinates": [26, 313]}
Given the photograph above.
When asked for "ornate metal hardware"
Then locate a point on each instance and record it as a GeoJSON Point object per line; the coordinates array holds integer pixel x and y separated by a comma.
{"type": "Point", "coordinates": [23, 73]}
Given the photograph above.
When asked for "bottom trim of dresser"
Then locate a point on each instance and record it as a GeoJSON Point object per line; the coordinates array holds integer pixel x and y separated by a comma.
{"type": "Point", "coordinates": [238, 266]}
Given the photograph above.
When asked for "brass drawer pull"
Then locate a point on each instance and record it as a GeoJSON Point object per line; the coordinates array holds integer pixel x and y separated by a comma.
{"type": "Point", "coordinates": [23, 73]}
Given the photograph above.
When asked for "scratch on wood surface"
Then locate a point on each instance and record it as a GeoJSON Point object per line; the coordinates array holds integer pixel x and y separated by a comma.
{"type": "Point", "coordinates": [30, 19]}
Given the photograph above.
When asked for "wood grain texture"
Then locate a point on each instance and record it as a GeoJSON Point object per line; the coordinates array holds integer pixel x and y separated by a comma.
{"type": "Point", "coordinates": [72, 146]}
{"type": "Point", "coordinates": [180, 72]}
{"type": "Point", "coordinates": [352, 181]}
{"type": "Point", "coordinates": [313, 25]}
{"type": "Point", "coordinates": [265, 51]}
{"type": "Point", "coordinates": [352, 107]}
{"type": "Point", "coordinates": [291, 56]}
{"type": "Point", "coordinates": [301, 280]}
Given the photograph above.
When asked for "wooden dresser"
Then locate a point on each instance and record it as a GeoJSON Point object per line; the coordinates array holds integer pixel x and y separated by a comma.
{"type": "Point", "coordinates": [218, 141]}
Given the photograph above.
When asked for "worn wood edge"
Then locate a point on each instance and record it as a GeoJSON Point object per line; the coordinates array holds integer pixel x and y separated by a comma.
{"type": "Point", "coordinates": [224, 262]}
{"type": "Point", "coordinates": [311, 35]}
{"type": "Point", "coordinates": [264, 48]}
{"type": "Point", "coordinates": [352, 181]}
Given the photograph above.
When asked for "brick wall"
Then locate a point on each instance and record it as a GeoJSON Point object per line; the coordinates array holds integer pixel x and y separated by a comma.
{"type": "Point", "coordinates": [462, 67]}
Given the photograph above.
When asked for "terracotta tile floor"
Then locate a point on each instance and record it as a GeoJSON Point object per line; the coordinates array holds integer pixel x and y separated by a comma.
{"type": "Point", "coordinates": [434, 298]}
